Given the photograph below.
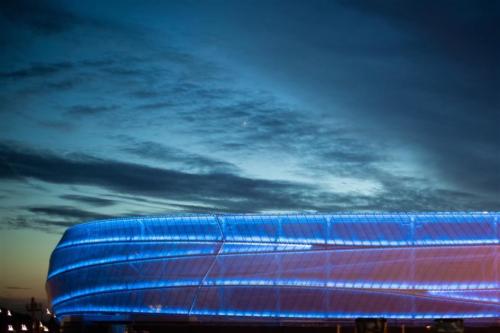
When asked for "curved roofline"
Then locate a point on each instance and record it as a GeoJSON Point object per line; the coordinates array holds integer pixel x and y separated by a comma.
{"type": "Point", "coordinates": [298, 214]}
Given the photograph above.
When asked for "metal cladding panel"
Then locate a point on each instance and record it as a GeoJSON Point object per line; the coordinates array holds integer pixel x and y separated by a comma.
{"type": "Point", "coordinates": [281, 267]}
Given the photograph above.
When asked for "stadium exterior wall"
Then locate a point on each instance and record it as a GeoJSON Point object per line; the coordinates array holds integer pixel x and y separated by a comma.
{"type": "Point", "coordinates": [280, 268]}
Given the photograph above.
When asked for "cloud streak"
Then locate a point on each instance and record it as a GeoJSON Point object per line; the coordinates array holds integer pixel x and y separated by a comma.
{"type": "Point", "coordinates": [216, 188]}
{"type": "Point", "coordinates": [88, 110]}
{"type": "Point", "coordinates": [88, 200]}
{"type": "Point", "coordinates": [174, 156]}
{"type": "Point", "coordinates": [37, 70]}
{"type": "Point", "coordinates": [202, 192]}
{"type": "Point", "coordinates": [66, 212]}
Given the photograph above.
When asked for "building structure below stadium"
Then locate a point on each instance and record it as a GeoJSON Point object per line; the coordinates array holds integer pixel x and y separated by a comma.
{"type": "Point", "coordinates": [280, 269]}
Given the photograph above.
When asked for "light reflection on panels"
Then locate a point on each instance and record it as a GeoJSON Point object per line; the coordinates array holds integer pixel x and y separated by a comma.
{"type": "Point", "coordinates": [273, 267]}
{"type": "Point", "coordinates": [485, 296]}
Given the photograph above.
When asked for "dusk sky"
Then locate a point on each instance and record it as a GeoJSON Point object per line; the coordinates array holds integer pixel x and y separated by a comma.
{"type": "Point", "coordinates": [122, 108]}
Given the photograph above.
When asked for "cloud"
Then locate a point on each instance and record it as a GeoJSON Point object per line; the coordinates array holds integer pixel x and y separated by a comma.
{"type": "Point", "coordinates": [88, 110]}
{"type": "Point", "coordinates": [38, 70]}
{"type": "Point", "coordinates": [61, 126]}
{"type": "Point", "coordinates": [156, 105]}
{"type": "Point", "coordinates": [212, 191]}
{"type": "Point", "coordinates": [39, 16]}
{"type": "Point", "coordinates": [44, 17]}
{"type": "Point", "coordinates": [51, 218]}
{"type": "Point", "coordinates": [66, 212]}
{"type": "Point", "coordinates": [173, 156]}
{"type": "Point", "coordinates": [29, 221]}
{"type": "Point", "coordinates": [89, 200]}
{"type": "Point", "coordinates": [218, 189]}
{"type": "Point", "coordinates": [418, 82]}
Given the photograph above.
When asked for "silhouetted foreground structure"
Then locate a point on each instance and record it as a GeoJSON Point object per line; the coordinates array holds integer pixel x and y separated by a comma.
{"type": "Point", "coordinates": [11, 321]}
{"type": "Point", "coordinates": [279, 269]}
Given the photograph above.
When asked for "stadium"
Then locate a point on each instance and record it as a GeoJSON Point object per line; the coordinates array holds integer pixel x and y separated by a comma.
{"type": "Point", "coordinates": [309, 269]}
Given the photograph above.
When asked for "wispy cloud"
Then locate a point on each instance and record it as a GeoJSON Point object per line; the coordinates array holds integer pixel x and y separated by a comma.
{"type": "Point", "coordinates": [66, 212]}
{"type": "Point", "coordinates": [179, 158]}
{"type": "Point", "coordinates": [89, 200]}
{"type": "Point", "coordinates": [44, 17]}
{"type": "Point", "coordinates": [89, 110]}
{"type": "Point", "coordinates": [222, 189]}
{"type": "Point", "coordinates": [37, 70]}
{"type": "Point", "coordinates": [205, 192]}
{"type": "Point", "coordinates": [28, 221]}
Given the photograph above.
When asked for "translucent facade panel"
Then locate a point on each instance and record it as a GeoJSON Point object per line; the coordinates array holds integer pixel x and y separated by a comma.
{"type": "Point", "coordinates": [455, 229]}
{"type": "Point", "coordinates": [84, 255]}
{"type": "Point", "coordinates": [203, 228]}
{"type": "Point", "coordinates": [293, 300]}
{"type": "Point", "coordinates": [237, 299]}
{"type": "Point", "coordinates": [249, 228]}
{"type": "Point", "coordinates": [234, 268]}
{"type": "Point", "coordinates": [122, 276]}
{"type": "Point", "coordinates": [302, 302]}
{"type": "Point", "coordinates": [380, 303]}
{"type": "Point", "coordinates": [168, 301]}
{"type": "Point", "coordinates": [305, 267]}
{"type": "Point", "coordinates": [281, 267]}
{"type": "Point", "coordinates": [391, 268]}
{"type": "Point", "coordinates": [375, 268]}
{"type": "Point", "coordinates": [262, 247]}
{"type": "Point", "coordinates": [318, 303]}
{"type": "Point", "coordinates": [453, 307]}
{"type": "Point", "coordinates": [370, 231]}
{"type": "Point", "coordinates": [309, 229]}
{"type": "Point", "coordinates": [466, 267]}
{"type": "Point", "coordinates": [491, 296]}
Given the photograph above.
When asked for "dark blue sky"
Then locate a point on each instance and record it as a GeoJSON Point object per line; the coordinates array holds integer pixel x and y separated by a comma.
{"type": "Point", "coordinates": [150, 107]}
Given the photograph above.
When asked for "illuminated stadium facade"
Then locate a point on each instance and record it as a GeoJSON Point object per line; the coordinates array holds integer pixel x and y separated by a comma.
{"type": "Point", "coordinates": [280, 268]}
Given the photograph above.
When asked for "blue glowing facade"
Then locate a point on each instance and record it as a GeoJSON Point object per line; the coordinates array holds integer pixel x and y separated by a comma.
{"type": "Point", "coordinates": [277, 268]}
